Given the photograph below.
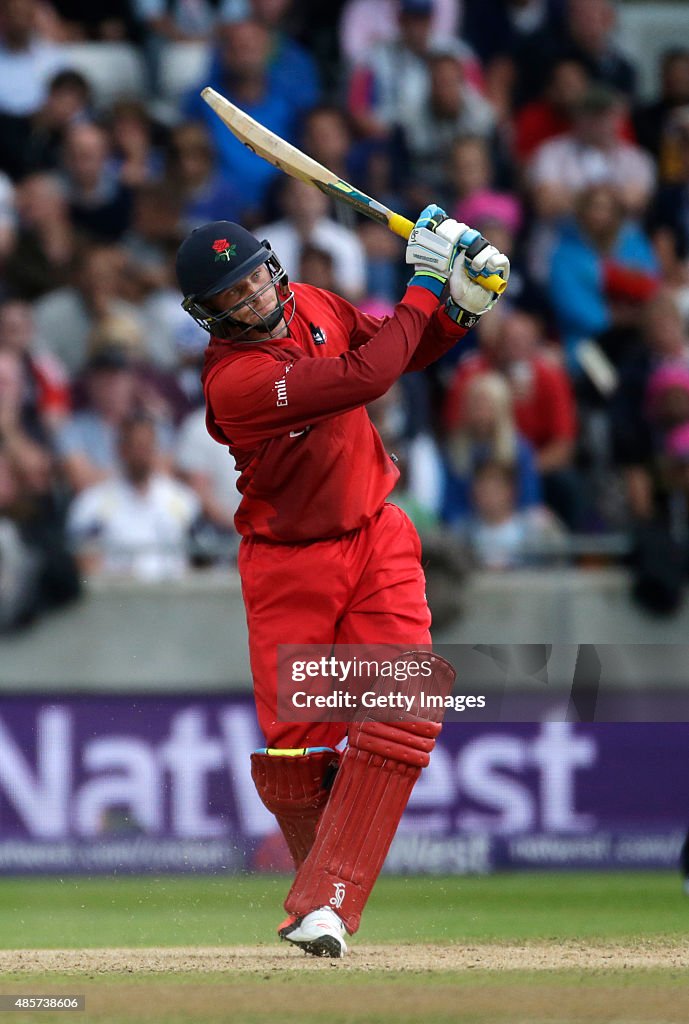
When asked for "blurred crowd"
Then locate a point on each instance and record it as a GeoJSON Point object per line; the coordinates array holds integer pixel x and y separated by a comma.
{"type": "Point", "coordinates": [563, 420]}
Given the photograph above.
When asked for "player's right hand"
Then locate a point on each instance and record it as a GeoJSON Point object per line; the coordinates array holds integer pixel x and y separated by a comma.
{"type": "Point", "coordinates": [432, 248]}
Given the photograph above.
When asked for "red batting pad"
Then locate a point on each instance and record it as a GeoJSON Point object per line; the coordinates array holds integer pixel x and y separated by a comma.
{"type": "Point", "coordinates": [295, 789]}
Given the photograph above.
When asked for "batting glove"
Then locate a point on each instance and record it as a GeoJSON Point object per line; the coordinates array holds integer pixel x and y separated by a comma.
{"type": "Point", "coordinates": [432, 248]}
{"type": "Point", "coordinates": [469, 301]}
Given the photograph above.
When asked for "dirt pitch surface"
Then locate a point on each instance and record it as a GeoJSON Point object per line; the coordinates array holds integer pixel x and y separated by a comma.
{"type": "Point", "coordinates": [578, 956]}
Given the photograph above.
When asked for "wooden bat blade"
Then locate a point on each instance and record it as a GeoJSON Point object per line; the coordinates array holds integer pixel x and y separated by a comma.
{"type": "Point", "coordinates": [283, 155]}
{"type": "Point", "coordinates": [292, 161]}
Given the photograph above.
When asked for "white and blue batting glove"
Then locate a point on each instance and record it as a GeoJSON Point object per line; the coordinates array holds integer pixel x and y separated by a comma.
{"type": "Point", "coordinates": [468, 301]}
{"type": "Point", "coordinates": [432, 248]}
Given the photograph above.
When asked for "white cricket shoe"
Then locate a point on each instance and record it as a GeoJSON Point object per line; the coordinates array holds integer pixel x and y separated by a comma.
{"type": "Point", "coordinates": [320, 933]}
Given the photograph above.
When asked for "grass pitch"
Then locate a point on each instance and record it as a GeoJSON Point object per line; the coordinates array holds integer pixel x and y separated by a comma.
{"type": "Point", "coordinates": [507, 949]}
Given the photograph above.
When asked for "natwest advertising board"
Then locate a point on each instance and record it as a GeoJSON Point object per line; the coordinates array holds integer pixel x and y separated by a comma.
{"type": "Point", "coordinates": [129, 784]}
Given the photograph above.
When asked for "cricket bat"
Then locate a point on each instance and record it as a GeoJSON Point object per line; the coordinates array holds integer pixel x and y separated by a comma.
{"type": "Point", "coordinates": [292, 161]}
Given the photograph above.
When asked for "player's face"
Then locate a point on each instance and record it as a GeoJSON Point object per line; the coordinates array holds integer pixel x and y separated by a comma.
{"type": "Point", "coordinates": [255, 296]}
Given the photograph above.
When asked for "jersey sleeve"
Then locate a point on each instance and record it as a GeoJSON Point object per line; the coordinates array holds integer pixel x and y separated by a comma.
{"type": "Point", "coordinates": [439, 336]}
{"type": "Point", "coordinates": [260, 396]}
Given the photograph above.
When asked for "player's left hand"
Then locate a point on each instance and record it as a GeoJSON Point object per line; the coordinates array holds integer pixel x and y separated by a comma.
{"type": "Point", "coordinates": [432, 248]}
{"type": "Point", "coordinates": [469, 301]}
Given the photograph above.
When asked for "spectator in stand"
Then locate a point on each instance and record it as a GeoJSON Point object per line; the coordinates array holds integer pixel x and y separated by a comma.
{"type": "Point", "coordinates": [654, 121]}
{"type": "Point", "coordinates": [193, 172]}
{"type": "Point", "coordinates": [590, 251]}
{"type": "Point", "coordinates": [451, 108]}
{"type": "Point", "coordinates": [83, 20]}
{"type": "Point", "coordinates": [553, 111]}
{"type": "Point", "coordinates": [589, 37]}
{"type": "Point", "coordinates": [670, 216]}
{"type": "Point", "coordinates": [497, 533]}
{"type": "Point", "coordinates": [470, 176]}
{"type": "Point", "coordinates": [44, 251]}
{"type": "Point", "coordinates": [7, 219]}
{"type": "Point", "coordinates": [27, 64]}
{"type": "Point", "coordinates": [292, 69]}
{"type": "Point", "coordinates": [305, 222]}
{"type": "Point", "coordinates": [485, 430]}
{"type": "Point", "coordinates": [317, 268]}
{"type": "Point", "coordinates": [100, 204]}
{"type": "Point", "coordinates": [67, 317]}
{"type": "Point", "coordinates": [366, 24]}
{"type": "Point", "coordinates": [175, 20]}
{"type": "Point", "coordinates": [509, 44]}
{"type": "Point", "coordinates": [665, 342]}
{"type": "Point", "coordinates": [24, 437]}
{"type": "Point", "coordinates": [208, 469]}
{"type": "Point", "coordinates": [68, 102]}
{"type": "Point", "coordinates": [240, 71]}
{"type": "Point", "coordinates": [154, 231]}
{"type": "Point", "coordinates": [139, 522]}
{"type": "Point", "coordinates": [46, 392]}
{"type": "Point", "coordinates": [590, 154]}
{"type": "Point", "coordinates": [393, 82]}
{"type": "Point", "coordinates": [542, 403]}
{"type": "Point", "coordinates": [87, 442]}
{"type": "Point", "coordinates": [137, 160]}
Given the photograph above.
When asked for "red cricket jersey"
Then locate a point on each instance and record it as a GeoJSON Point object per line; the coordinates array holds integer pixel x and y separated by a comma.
{"type": "Point", "coordinates": [291, 411]}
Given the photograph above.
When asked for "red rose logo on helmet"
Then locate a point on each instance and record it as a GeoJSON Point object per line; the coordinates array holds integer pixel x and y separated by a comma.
{"type": "Point", "coordinates": [223, 250]}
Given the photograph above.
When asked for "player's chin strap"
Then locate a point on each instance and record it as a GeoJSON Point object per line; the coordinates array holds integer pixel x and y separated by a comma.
{"type": "Point", "coordinates": [294, 785]}
{"type": "Point", "coordinates": [375, 779]}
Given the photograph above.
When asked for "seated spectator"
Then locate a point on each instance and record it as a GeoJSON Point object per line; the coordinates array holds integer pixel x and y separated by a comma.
{"type": "Point", "coordinates": [136, 158]}
{"type": "Point", "coordinates": [486, 430]}
{"type": "Point", "coordinates": [7, 217]}
{"type": "Point", "coordinates": [670, 216]}
{"type": "Point", "coordinates": [137, 523]}
{"type": "Point", "coordinates": [24, 437]}
{"type": "Point", "coordinates": [45, 247]}
{"type": "Point", "coordinates": [27, 64]}
{"type": "Point", "coordinates": [174, 342]}
{"type": "Point", "coordinates": [193, 172]}
{"type": "Point", "coordinates": [241, 72]}
{"type": "Point", "coordinates": [474, 198]}
{"type": "Point", "coordinates": [292, 69]}
{"type": "Point", "coordinates": [208, 468]}
{"type": "Point", "coordinates": [45, 388]}
{"type": "Point", "coordinates": [305, 222]}
{"type": "Point", "coordinates": [390, 85]}
{"type": "Point", "coordinates": [67, 317]}
{"type": "Point", "coordinates": [366, 24]}
{"type": "Point", "coordinates": [99, 203]}
{"type": "Point", "coordinates": [153, 233]}
{"type": "Point", "coordinates": [87, 441]}
{"type": "Point", "coordinates": [590, 154]}
{"type": "Point", "coordinates": [497, 533]}
{"type": "Point", "coordinates": [82, 20]}
{"type": "Point", "coordinates": [176, 21]}
{"type": "Point", "coordinates": [37, 572]}
{"type": "Point", "coordinates": [665, 342]}
{"type": "Point", "coordinates": [590, 252]}
{"type": "Point", "coordinates": [69, 101]}
{"type": "Point", "coordinates": [589, 37]}
{"type": "Point", "coordinates": [552, 112]}
{"type": "Point", "coordinates": [542, 402]}
{"type": "Point", "coordinates": [654, 121]}
{"type": "Point", "coordinates": [512, 45]}
{"type": "Point", "coordinates": [317, 267]}
{"type": "Point", "coordinates": [452, 107]}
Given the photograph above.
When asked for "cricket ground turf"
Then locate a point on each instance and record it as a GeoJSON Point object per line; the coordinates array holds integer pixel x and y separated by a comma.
{"type": "Point", "coordinates": [506, 949]}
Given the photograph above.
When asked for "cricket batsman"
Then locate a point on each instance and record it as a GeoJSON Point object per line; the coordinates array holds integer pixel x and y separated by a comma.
{"type": "Point", "coordinates": [324, 557]}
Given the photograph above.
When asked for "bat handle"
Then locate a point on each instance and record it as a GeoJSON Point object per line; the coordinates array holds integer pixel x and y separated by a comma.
{"type": "Point", "coordinates": [403, 227]}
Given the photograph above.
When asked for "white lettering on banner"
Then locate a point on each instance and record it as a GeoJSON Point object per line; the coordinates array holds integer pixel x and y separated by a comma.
{"type": "Point", "coordinates": [497, 783]}
{"type": "Point", "coordinates": [130, 780]}
{"type": "Point", "coordinates": [41, 800]}
{"type": "Point", "coordinates": [241, 738]}
{"type": "Point", "coordinates": [189, 755]}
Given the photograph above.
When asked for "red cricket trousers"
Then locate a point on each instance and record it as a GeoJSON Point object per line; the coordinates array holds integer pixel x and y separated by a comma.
{"type": "Point", "coordinates": [365, 587]}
